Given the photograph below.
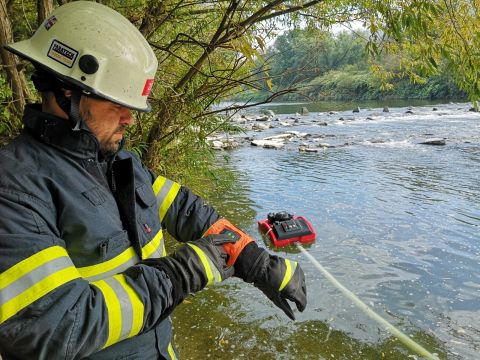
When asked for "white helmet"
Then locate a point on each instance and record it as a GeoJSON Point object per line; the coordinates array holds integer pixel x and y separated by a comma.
{"type": "Point", "coordinates": [92, 47]}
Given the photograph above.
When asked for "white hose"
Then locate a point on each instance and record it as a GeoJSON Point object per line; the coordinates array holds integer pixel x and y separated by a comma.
{"type": "Point", "coordinates": [406, 340]}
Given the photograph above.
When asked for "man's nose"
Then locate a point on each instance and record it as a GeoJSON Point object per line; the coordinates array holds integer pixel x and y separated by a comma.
{"type": "Point", "coordinates": [126, 117]}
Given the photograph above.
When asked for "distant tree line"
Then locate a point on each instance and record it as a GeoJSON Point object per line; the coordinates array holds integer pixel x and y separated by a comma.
{"type": "Point", "coordinates": [323, 65]}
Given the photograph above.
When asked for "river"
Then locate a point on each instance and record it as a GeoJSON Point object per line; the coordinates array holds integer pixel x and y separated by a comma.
{"type": "Point", "coordinates": [397, 222]}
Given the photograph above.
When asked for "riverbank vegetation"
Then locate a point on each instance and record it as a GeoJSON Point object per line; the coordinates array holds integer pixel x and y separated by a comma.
{"type": "Point", "coordinates": [209, 51]}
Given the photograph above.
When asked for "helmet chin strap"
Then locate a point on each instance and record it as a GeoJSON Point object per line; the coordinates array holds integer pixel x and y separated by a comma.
{"type": "Point", "coordinates": [70, 105]}
{"type": "Point", "coordinates": [74, 113]}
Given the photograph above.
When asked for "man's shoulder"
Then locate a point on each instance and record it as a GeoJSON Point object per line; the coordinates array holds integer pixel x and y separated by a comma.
{"type": "Point", "coordinates": [20, 157]}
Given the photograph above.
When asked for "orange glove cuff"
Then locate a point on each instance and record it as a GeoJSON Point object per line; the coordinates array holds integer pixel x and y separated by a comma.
{"type": "Point", "coordinates": [223, 226]}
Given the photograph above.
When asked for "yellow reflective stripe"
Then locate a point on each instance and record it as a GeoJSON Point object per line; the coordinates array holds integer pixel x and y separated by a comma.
{"type": "Point", "coordinates": [165, 190]}
{"type": "Point", "coordinates": [169, 199]}
{"type": "Point", "coordinates": [137, 306]}
{"type": "Point", "coordinates": [171, 352]}
{"type": "Point", "coordinates": [206, 264]}
{"type": "Point", "coordinates": [157, 185]}
{"type": "Point", "coordinates": [289, 271]}
{"type": "Point", "coordinates": [29, 264]}
{"type": "Point", "coordinates": [128, 256]}
{"type": "Point", "coordinates": [36, 291]}
{"type": "Point", "coordinates": [153, 245]}
{"type": "Point", "coordinates": [114, 312]}
{"type": "Point", "coordinates": [124, 307]}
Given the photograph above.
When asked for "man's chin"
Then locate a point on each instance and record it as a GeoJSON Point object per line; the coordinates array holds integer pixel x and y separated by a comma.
{"type": "Point", "coordinates": [110, 149]}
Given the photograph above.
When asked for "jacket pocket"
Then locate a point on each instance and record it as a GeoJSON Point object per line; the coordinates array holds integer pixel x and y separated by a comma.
{"type": "Point", "coordinates": [145, 195]}
{"type": "Point", "coordinates": [115, 244]}
{"type": "Point", "coordinates": [95, 195]}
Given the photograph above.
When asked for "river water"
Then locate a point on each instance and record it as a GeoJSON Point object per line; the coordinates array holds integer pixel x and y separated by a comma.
{"type": "Point", "coordinates": [397, 222]}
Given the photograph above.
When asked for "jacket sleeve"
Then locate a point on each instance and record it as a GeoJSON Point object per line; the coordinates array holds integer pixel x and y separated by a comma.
{"type": "Point", "coordinates": [186, 217]}
{"type": "Point", "coordinates": [47, 311]}
{"type": "Point", "coordinates": [183, 214]}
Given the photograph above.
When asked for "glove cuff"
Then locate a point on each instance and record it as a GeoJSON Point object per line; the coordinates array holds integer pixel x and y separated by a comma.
{"type": "Point", "coordinates": [251, 263]}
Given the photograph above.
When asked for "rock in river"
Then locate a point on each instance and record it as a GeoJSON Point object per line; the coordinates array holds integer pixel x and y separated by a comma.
{"type": "Point", "coordinates": [434, 141]}
{"type": "Point", "coordinates": [269, 144]}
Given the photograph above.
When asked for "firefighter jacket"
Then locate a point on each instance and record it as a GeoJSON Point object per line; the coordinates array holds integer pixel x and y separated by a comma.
{"type": "Point", "coordinates": [72, 232]}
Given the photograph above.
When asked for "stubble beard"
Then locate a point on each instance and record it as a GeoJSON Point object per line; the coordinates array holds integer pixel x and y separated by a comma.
{"type": "Point", "coordinates": [109, 146]}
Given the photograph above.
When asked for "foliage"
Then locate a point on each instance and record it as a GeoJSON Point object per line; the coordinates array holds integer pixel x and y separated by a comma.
{"type": "Point", "coordinates": [346, 83]}
{"type": "Point", "coordinates": [335, 66]}
{"type": "Point", "coordinates": [428, 36]}
{"type": "Point", "coordinates": [303, 54]}
{"type": "Point", "coordinates": [208, 51]}
{"type": "Point", "coordinates": [6, 127]}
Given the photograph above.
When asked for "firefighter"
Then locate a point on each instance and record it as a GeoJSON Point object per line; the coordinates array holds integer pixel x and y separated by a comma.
{"type": "Point", "coordinates": [83, 268]}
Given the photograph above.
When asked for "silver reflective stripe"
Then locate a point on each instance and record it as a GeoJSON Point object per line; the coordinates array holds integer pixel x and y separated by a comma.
{"type": "Point", "coordinates": [120, 268]}
{"type": "Point", "coordinates": [154, 248]}
{"type": "Point", "coordinates": [125, 305]}
{"type": "Point", "coordinates": [158, 252]}
{"type": "Point", "coordinates": [33, 277]}
{"type": "Point", "coordinates": [162, 194]}
{"type": "Point", "coordinates": [125, 308]}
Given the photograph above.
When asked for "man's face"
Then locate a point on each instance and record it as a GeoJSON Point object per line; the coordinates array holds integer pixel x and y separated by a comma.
{"type": "Point", "coordinates": [107, 121]}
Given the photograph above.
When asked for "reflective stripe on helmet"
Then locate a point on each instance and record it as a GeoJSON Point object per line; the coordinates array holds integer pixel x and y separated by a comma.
{"type": "Point", "coordinates": [34, 277]}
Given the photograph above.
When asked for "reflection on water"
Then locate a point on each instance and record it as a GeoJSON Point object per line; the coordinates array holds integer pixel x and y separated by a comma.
{"type": "Point", "coordinates": [397, 223]}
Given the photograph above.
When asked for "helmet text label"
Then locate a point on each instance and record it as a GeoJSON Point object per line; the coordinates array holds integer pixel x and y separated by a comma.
{"type": "Point", "coordinates": [62, 53]}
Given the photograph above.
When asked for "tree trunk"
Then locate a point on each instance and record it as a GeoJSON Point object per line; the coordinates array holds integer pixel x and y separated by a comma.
{"type": "Point", "coordinates": [153, 18]}
{"type": "Point", "coordinates": [15, 78]}
{"type": "Point", "coordinates": [166, 115]}
{"type": "Point", "coordinates": [44, 8]}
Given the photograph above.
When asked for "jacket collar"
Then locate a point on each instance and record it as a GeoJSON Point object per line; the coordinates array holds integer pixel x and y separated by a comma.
{"type": "Point", "coordinates": [58, 132]}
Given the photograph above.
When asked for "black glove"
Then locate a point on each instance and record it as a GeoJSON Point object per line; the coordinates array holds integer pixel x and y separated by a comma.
{"type": "Point", "coordinates": [278, 278]}
{"type": "Point", "coordinates": [196, 264]}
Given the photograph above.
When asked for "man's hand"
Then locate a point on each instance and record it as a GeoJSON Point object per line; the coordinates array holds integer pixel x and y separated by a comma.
{"type": "Point", "coordinates": [278, 278]}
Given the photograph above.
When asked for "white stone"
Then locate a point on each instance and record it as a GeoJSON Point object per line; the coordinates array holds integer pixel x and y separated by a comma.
{"type": "Point", "coordinates": [260, 126]}
{"type": "Point", "coordinates": [279, 137]}
{"type": "Point", "coordinates": [217, 145]}
{"type": "Point", "coordinates": [268, 144]}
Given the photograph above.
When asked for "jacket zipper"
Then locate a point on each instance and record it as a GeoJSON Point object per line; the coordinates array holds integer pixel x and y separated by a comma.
{"type": "Point", "coordinates": [113, 184]}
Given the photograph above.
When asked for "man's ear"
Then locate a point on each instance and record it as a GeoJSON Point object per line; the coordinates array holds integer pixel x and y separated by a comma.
{"type": "Point", "coordinates": [50, 105]}
{"type": "Point", "coordinates": [67, 93]}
